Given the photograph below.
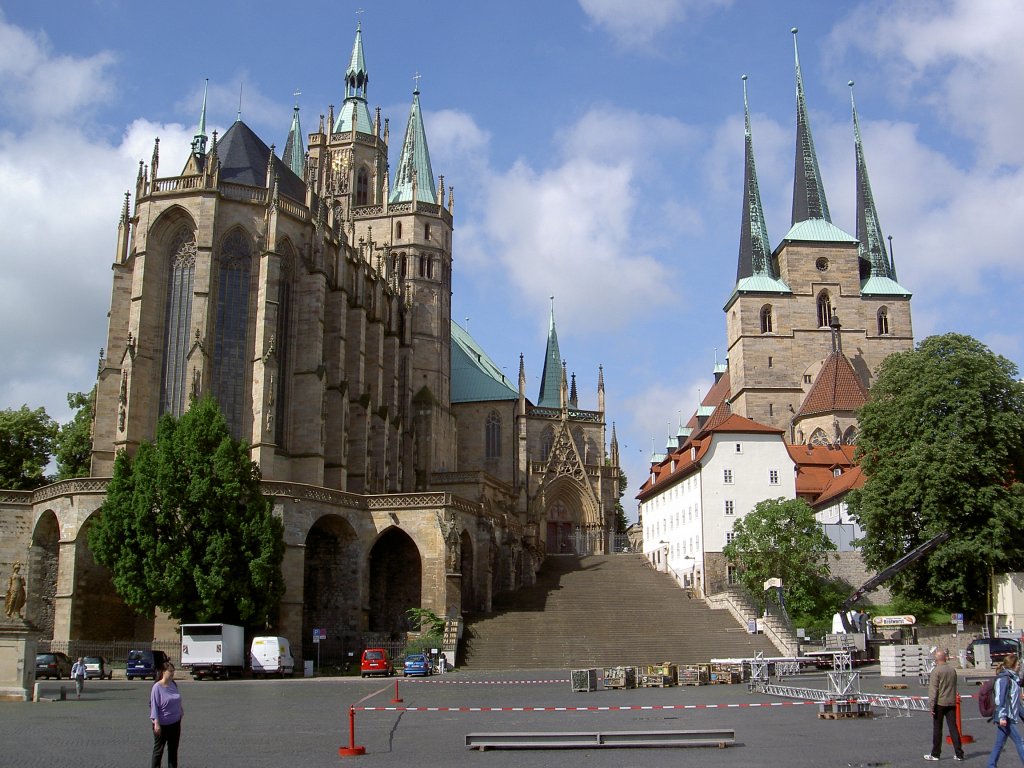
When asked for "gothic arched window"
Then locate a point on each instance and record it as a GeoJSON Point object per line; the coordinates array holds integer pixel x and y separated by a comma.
{"type": "Point", "coordinates": [230, 350]}
{"type": "Point", "coordinates": [850, 436]}
{"type": "Point", "coordinates": [546, 443]}
{"type": "Point", "coordinates": [492, 436]}
{"type": "Point", "coordinates": [766, 319]}
{"type": "Point", "coordinates": [824, 309]}
{"type": "Point", "coordinates": [281, 341]}
{"type": "Point", "coordinates": [818, 437]}
{"type": "Point", "coordinates": [398, 230]}
{"type": "Point", "coordinates": [362, 187]}
{"type": "Point", "coordinates": [883, 322]}
{"type": "Point", "coordinates": [178, 323]}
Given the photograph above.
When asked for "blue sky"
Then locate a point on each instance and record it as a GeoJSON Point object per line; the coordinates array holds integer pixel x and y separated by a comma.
{"type": "Point", "coordinates": [595, 147]}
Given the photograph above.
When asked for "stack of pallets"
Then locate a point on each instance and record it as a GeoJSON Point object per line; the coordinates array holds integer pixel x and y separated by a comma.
{"type": "Point", "coordinates": [905, 661]}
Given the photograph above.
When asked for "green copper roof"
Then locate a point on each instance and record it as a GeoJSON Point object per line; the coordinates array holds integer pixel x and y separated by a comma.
{"type": "Point", "coordinates": [475, 377]}
{"type": "Point", "coordinates": [199, 140]}
{"type": "Point", "coordinates": [415, 161]}
{"type": "Point", "coordinates": [818, 231]}
{"type": "Point", "coordinates": [808, 191]}
{"type": "Point", "coordinates": [294, 151]}
{"type": "Point", "coordinates": [755, 264]}
{"type": "Point", "coordinates": [882, 286]}
{"type": "Point", "coordinates": [551, 378]}
{"type": "Point", "coordinates": [356, 83]}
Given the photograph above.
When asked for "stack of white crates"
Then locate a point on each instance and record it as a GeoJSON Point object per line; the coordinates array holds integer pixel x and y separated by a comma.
{"type": "Point", "coordinates": [905, 661]}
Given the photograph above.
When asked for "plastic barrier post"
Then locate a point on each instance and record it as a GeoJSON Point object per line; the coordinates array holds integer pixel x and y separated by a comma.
{"type": "Point", "coordinates": [351, 750]}
{"type": "Point", "coordinates": [964, 738]}
{"type": "Point", "coordinates": [398, 699]}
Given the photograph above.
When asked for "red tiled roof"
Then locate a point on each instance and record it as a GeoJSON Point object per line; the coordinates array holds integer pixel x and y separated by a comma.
{"type": "Point", "coordinates": [736, 423]}
{"type": "Point", "coordinates": [815, 468]}
{"type": "Point", "coordinates": [853, 478]}
{"type": "Point", "coordinates": [837, 388]}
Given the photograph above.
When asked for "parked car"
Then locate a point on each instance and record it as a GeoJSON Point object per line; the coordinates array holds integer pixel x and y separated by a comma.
{"type": "Point", "coordinates": [998, 647]}
{"type": "Point", "coordinates": [416, 664]}
{"type": "Point", "coordinates": [52, 665]}
{"type": "Point", "coordinates": [98, 668]}
{"type": "Point", "coordinates": [144, 664]}
{"type": "Point", "coordinates": [375, 661]}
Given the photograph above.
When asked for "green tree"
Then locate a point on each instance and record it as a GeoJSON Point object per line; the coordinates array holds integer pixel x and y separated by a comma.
{"type": "Point", "coordinates": [941, 444]}
{"type": "Point", "coordinates": [621, 522]}
{"type": "Point", "coordinates": [26, 442]}
{"type": "Point", "coordinates": [73, 444]}
{"type": "Point", "coordinates": [780, 538]}
{"type": "Point", "coordinates": [186, 529]}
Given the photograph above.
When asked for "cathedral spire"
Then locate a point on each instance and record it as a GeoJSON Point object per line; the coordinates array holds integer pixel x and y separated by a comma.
{"type": "Point", "coordinates": [808, 191]}
{"type": "Point", "coordinates": [414, 178]}
{"type": "Point", "coordinates": [355, 114]}
{"type": "Point", "coordinates": [550, 380]}
{"type": "Point", "coordinates": [869, 231]}
{"type": "Point", "coordinates": [573, 396]}
{"type": "Point", "coordinates": [294, 152]}
{"type": "Point", "coordinates": [199, 140]}
{"type": "Point", "coordinates": [755, 256]}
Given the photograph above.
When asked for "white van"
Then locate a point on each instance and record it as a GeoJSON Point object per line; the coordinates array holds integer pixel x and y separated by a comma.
{"type": "Point", "coordinates": [271, 656]}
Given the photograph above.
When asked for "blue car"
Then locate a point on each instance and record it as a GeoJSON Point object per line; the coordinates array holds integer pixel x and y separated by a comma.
{"type": "Point", "coordinates": [416, 664]}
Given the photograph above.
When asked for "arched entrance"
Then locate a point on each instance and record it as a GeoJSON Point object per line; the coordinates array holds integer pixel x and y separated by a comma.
{"type": "Point", "coordinates": [98, 612]}
{"type": "Point", "coordinates": [468, 572]}
{"type": "Point", "coordinates": [331, 589]}
{"type": "Point", "coordinates": [561, 522]}
{"type": "Point", "coordinates": [43, 557]}
{"type": "Point", "coordinates": [395, 585]}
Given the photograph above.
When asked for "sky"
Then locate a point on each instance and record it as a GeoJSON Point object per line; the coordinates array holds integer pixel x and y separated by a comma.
{"type": "Point", "coordinates": [595, 148]}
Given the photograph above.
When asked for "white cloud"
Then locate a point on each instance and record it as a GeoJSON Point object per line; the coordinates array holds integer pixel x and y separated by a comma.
{"type": "Point", "coordinates": [37, 85]}
{"type": "Point", "coordinates": [637, 23]}
{"type": "Point", "coordinates": [963, 58]}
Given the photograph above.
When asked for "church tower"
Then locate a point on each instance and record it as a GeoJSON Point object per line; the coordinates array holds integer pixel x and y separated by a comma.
{"type": "Point", "coordinates": [783, 317]}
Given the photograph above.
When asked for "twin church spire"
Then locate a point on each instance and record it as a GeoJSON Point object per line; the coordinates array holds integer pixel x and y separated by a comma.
{"type": "Point", "coordinates": [811, 219]}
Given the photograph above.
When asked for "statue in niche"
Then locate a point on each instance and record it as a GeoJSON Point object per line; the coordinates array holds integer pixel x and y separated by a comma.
{"type": "Point", "coordinates": [15, 599]}
{"type": "Point", "coordinates": [452, 543]}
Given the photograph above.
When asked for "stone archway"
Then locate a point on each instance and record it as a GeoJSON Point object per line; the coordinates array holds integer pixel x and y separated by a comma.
{"type": "Point", "coordinates": [43, 559]}
{"type": "Point", "coordinates": [466, 567]}
{"type": "Point", "coordinates": [98, 612]}
{"type": "Point", "coordinates": [331, 597]}
{"type": "Point", "coordinates": [395, 583]}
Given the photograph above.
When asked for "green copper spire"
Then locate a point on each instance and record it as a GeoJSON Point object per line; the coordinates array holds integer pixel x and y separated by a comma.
{"type": "Point", "coordinates": [869, 231]}
{"type": "Point", "coordinates": [755, 270]}
{"type": "Point", "coordinates": [414, 164]}
{"type": "Point", "coordinates": [551, 378]}
{"type": "Point", "coordinates": [808, 192]}
{"type": "Point", "coordinates": [294, 152]}
{"type": "Point", "coordinates": [356, 83]}
{"type": "Point", "coordinates": [199, 140]}
{"type": "Point", "coordinates": [877, 273]}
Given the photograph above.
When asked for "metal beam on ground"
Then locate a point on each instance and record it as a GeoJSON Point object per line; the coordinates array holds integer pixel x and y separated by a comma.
{"type": "Point", "coordinates": [721, 738]}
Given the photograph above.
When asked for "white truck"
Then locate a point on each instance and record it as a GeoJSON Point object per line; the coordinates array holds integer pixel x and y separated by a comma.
{"type": "Point", "coordinates": [271, 656]}
{"type": "Point", "coordinates": [213, 650]}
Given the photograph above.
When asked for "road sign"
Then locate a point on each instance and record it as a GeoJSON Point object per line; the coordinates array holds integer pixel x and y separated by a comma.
{"type": "Point", "coordinates": [316, 635]}
{"type": "Point", "coordinates": [956, 618]}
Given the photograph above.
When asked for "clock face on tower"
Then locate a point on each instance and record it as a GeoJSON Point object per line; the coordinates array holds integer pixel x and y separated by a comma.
{"type": "Point", "coordinates": [822, 264]}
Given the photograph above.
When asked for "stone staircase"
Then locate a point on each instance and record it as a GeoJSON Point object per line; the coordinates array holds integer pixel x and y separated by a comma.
{"type": "Point", "coordinates": [602, 610]}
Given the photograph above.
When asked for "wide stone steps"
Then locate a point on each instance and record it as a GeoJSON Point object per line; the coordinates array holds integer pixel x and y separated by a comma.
{"type": "Point", "coordinates": [602, 611]}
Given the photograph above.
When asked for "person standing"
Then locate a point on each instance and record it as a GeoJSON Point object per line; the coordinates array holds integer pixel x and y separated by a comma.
{"type": "Point", "coordinates": [942, 697]}
{"type": "Point", "coordinates": [165, 711]}
{"type": "Point", "coordinates": [1006, 694]}
{"type": "Point", "coordinates": [78, 673]}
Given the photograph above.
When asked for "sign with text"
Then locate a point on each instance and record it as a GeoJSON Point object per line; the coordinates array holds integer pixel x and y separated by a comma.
{"type": "Point", "coordinates": [894, 621]}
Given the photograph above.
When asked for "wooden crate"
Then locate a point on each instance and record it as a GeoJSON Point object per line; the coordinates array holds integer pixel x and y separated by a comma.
{"type": "Point", "coordinates": [620, 677]}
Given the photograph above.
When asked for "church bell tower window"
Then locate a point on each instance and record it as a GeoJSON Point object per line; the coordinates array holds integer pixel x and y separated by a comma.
{"type": "Point", "coordinates": [883, 322]}
{"type": "Point", "coordinates": [824, 309]}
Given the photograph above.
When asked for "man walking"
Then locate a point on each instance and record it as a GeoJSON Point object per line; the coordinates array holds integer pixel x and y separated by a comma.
{"type": "Point", "coordinates": [942, 697]}
{"type": "Point", "coordinates": [78, 674]}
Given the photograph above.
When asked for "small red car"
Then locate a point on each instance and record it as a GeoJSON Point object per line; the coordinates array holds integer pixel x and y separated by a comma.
{"type": "Point", "coordinates": [375, 661]}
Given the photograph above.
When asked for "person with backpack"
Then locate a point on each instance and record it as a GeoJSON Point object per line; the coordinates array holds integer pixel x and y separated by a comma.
{"type": "Point", "coordinates": [942, 698]}
{"type": "Point", "coordinates": [1006, 698]}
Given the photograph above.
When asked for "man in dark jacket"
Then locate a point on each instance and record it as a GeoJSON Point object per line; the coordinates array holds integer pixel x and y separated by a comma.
{"type": "Point", "coordinates": [942, 697]}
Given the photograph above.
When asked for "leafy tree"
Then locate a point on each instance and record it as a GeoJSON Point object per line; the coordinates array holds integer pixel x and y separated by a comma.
{"type": "Point", "coordinates": [186, 529]}
{"type": "Point", "coordinates": [780, 538]}
{"type": "Point", "coordinates": [942, 446]}
{"type": "Point", "coordinates": [621, 522]}
{"type": "Point", "coordinates": [73, 445]}
{"type": "Point", "coordinates": [26, 441]}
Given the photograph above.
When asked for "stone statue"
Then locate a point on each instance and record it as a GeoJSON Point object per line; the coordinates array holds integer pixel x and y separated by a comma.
{"type": "Point", "coordinates": [453, 548]}
{"type": "Point", "coordinates": [15, 600]}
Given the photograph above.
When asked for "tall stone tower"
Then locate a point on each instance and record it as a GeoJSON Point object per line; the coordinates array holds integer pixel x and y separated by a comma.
{"type": "Point", "coordinates": [821, 291]}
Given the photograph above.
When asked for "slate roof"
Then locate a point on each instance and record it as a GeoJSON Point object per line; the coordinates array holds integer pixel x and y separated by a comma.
{"type": "Point", "coordinates": [836, 388]}
{"type": "Point", "coordinates": [243, 160]}
{"type": "Point", "coordinates": [475, 377]}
